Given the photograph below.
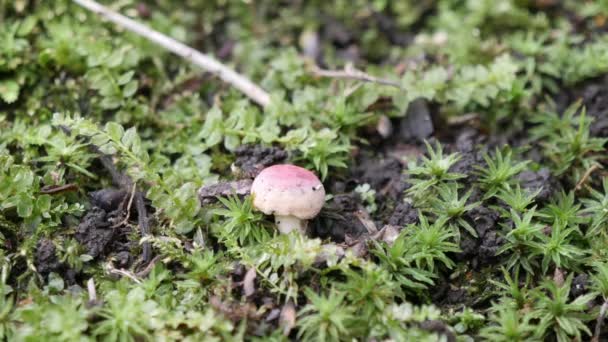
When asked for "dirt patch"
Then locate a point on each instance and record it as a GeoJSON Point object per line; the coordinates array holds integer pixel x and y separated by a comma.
{"type": "Point", "coordinates": [252, 159]}
{"type": "Point", "coordinates": [540, 180]}
{"type": "Point", "coordinates": [103, 230]}
{"type": "Point", "coordinates": [95, 232]}
{"type": "Point", "coordinates": [384, 175]}
{"type": "Point", "coordinates": [339, 220]}
{"type": "Point", "coordinates": [107, 199]}
{"type": "Point", "coordinates": [403, 215]}
{"type": "Point", "coordinates": [46, 260]}
{"type": "Point", "coordinates": [594, 96]}
{"type": "Point", "coordinates": [580, 285]}
{"type": "Point", "coordinates": [209, 193]}
{"type": "Point", "coordinates": [481, 250]}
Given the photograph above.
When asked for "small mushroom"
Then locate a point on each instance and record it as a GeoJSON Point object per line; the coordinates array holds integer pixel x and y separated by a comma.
{"type": "Point", "coordinates": [291, 193]}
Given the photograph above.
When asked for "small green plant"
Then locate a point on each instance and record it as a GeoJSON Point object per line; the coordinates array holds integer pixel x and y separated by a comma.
{"type": "Point", "coordinates": [369, 289]}
{"type": "Point", "coordinates": [448, 204]}
{"type": "Point", "coordinates": [558, 248]}
{"type": "Point", "coordinates": [368, 195]}
{"type": "Point", "coordinates": [512, 294]}
{"type": "Point", "coordinates": [521, 241]}
{"type": "Point", "coordinates": [509, 324]}
{"type": "Point", "coordinates": [60, 318]}
{"type": "Point", "coordinates": [564, 211]}
{"type": "Point", "coordinates": [325, 318]}
{"type": "Point", "coordinates": [127, 315]}
{"type": "Point", "coordinates": [567, 141]}
{"type": "Point", "coordinates": [204, 267]}
{"type": "Point", "coordinates": [324, 149]}
{"type": "Point", "coordinates": [242, 223]}
{"type": "Point", "coordinates": [558, 316]}
{"type": "Point", "coordinates": [467, 320]}
{"type": "Point", "coordinates": [498, 172]}
{"type": "Point", "coordinates": [431, 170]}
{"type": "Point", "coordinates": [597, 206]}
{"type": "Point", "coordinates": [412, 257]}
{"type": "Point", "coordinates": [516, 198]}
{"type": "Point", "coordinates": [73, 255]}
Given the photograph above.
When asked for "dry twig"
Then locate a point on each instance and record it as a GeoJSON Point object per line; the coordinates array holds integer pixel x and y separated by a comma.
{"type": "Point", "coordinates": [350, 72]}
{"type": "Point", "coordinates": [195, 57]}
{"type": "Point", "coordinates": [600, 320]}
{"type": "Point", "coordinates": [586, 175]}
{"type": "Point", "coordinates": [128, 211]}
{"type": "Point", "coordinates": [122, 272]}
{"type": "Point", "coordinates": [91, 290]}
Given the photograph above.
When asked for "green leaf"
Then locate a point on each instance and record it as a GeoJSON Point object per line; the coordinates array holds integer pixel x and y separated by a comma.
{"type": "Point", "coordinates": [125, 78]}
{"type": "Point", "coordinates": [115, 131]}
{"type": "Point", "coordinates": [9, 91]}
{"type": "Point", "coordinates": [130, 89]}
{"type": "Point", "coordinates": [25, 205]}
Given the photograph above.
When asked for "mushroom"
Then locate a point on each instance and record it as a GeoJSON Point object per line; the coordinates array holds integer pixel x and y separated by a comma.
{"type": "Point", "coordinates": [291, 193]}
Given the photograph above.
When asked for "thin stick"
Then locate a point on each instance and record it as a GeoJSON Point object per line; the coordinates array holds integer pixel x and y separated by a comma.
{"type": "Point", "coordinates": [143, 273]}
{"type": "Point", "coordinates": [144, 224]}
{"type": "Point", "coordinates": [128, 211]}
{"type": "Point", "coordinates": [91, 290]}
{"type": "Point", "coordinates": [351, 73]}
{"type": "Point", "coordinates": [205, 62]}
{"type": "Point", "coordinates": [586, 176]}
{"type": "Point", "coordinates": [600, 320]}
{"type": "Point", "coordinates": [112, 270]}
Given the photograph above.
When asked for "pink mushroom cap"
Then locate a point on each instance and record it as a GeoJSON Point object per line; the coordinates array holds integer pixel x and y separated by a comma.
{"type": "Point", "coordinates": [288, 190]}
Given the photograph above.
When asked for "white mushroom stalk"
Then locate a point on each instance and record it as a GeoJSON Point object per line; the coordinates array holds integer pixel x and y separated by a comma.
{"type": "Point", "coordinates": [292, 194]}
{"type": "Point", "coordinates": [286, 224]}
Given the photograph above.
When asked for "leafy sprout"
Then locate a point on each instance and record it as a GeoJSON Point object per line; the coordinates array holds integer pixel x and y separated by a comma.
{"type": "Point", "coordinates": [509, 324]}
{"type": "Point", "coordinates": [557, 314]}
{"type": "Point", "coordinates": [557, 249]}
{"type": "Point", "coordinates": [413, 256]}
{"type": "Point", "coordinates": [242, 223]}
{"type": "Point", "coordinates": [432, 170]}
{"type": "Point", "coordinates": [567, 140]}
{"type": "Point", "coordinates": [516, 198]}
{"type": "Point", "coordinates": [325, 318]}
{"type": "Point", "coordinates": [563, 211]}
{"type": "Point", "coordinates": [521, 241]}
{"type": "Point", "coordinates": [498, 172]}
{"type": "Point", "coordinates": [450, 205]}
{"type": "Point", "coordinates": [597, 206]}
{"type": "Point", "coordinates": [370, 289]}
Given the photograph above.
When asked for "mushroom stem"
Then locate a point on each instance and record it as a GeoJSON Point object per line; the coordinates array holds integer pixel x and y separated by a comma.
{"type": "Point", "coordinates": [288, 223]}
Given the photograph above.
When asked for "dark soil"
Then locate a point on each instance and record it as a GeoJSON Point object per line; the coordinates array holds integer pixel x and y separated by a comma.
{"type": "Point", "coordinates": [103, 232]}
{"type": "Point", "coordinates": [46, 257]}
{"type": "Point", "coordinates": [338, 219]}
{"type": "Point", "coordinates": [594, 96]}
{"type": "Point", "coordinates": [580, 285]}
{"type": "Point", "coordinates": [251, 159]}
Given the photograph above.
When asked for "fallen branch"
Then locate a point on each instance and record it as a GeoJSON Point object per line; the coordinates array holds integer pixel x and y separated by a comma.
{"type": "Point", "coordinates": [128, 211]}
{"type": "Point", "coordinates": [586, 175]}
{"type": "Point", "coordinates": [92, 291]}
{"type": "Point", "coordinates": [122, 272]}
{"type": "Point", "coordinates": [143, 223]}
{"type": "Point", "coordinates": [350, 72]}
{"type": "Point", "coordinates": [226, 74]}
{"type": "Point", "coordinates": [600, 320]}
{"type": "Point", "coordinates": [144, 273]}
